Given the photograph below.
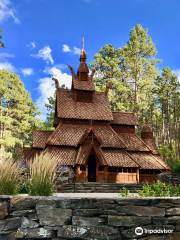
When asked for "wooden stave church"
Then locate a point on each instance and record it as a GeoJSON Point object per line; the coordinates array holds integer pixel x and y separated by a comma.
{"type": "Point", "coordinates": [98, 144]}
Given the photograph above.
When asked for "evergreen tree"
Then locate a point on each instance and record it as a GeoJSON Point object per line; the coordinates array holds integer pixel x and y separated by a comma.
{"type": "Point", "coordinates": [139, 64]}
{"type": "Point", "coordinates": [17, 114]}
{"type": "Point", "coordinates": [107, 64]}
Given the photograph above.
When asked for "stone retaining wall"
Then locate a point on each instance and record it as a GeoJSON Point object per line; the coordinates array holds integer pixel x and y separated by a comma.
{"type": "Point", "coordinates": [55, 218]}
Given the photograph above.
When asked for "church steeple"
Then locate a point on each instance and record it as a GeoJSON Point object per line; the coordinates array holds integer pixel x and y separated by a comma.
{"type": "Point", "coordinates": [83, 69]}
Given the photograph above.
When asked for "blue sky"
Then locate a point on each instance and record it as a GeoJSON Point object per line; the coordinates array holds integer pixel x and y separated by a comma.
{"type": "Point", "coordinates": [42, 36]}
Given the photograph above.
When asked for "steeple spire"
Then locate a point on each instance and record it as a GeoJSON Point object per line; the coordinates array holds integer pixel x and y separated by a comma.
{"type": "Point", "coordinates": [83, 52]}
{"type": "Point", "coordinates": [83, 68]}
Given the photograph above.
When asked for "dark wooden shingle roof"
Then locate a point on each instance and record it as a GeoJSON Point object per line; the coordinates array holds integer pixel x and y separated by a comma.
{"type": "Point", "coordinates": [124, 118]}
{"type": "Point", "coordinates": [40, 138]}
{"type": "Point", "coordinates": [99, 109]}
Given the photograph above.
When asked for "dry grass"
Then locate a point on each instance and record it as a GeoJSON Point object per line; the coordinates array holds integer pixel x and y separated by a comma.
{"type": "Point", "coordinates": [42, 175]}
{"type": "Point", "coordinates": [10, 175]}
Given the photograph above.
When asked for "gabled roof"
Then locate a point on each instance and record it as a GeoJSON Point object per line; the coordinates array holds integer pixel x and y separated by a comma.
{"type": "Point", "coordinates": [67, 107]}
{"type": "Point", "coordinates": [84, 152]}
{"type": "Point", "coordinates": [72, 134]}
{"type": "Point", "coordinates": [40, 138]}
{"type": "Point", "coordinates": [124, 118]}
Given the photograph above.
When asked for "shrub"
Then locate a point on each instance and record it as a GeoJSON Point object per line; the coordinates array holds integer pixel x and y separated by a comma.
{"type": "Point", "coordinates": [10, 175]}
{"type": "Point", "coordinates": [159, 189]}
{"type": "Point", "coordinates": [42, 175]}
{"type": "Point", "coordinates": [124, 192]}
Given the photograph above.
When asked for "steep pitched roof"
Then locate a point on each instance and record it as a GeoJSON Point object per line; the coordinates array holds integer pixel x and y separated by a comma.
{"type": "Point", "coordinates": [63, 155]}
{"type": "Point", "coordinates": [133, 142]}
{"type": "Point", "coordinates": [147, 160]}
{"type": "Point", "coordinates": [83, 85]}
{"type": "Point", "coordinates": [124, 118]}
{"type": "Point", "coordinates": [72, 134]}
{"type": "Point", "coordinates": [118, 158]}
{"type": "Point", "coordinates": [40, 138]}
{"type": "Point", "coordinates": [99, 109]}
{"type": "Point", "coordinates": [150, 143]}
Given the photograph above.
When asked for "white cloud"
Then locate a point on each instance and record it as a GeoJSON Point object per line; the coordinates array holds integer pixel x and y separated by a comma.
{"type": "Point", "coordinates": [46, 87]}
{"type": "Point", "coordinates": [7, 11]}
{"type": "Point", "coordinates": [64, 78]}
{"type": "Point", "coordinates": [177, 72]}
{"type": "Point", "coordinates": [76, 50]}
{"type": "Point", "coordinates": [7, 66]}
{"type": "Point", "coordinates": [66, 48]}
{"type": "Point", "coordinates": [32, 45]}
{"type": "Point", "coordinates": [27, 71]}
{"type": "Point", "coordinates": [45, 53]}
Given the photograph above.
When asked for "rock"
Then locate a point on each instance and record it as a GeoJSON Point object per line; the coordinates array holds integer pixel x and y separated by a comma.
{"type": "Point", "coordinates": [53, 216]}
{"type": "Point", "coordinates": [3, 210]}
{"type": "Point", "coordinates": [87, 221]}
{"type": "Point", "coordinates": [72, 232]}
{"type": "Point", "coordinates": [21, 213]}
{"type": "Point", "coordinates": [100, 232]}
{"type": "Point", "coordinates": [28, 223]}
{"type": "Point", "coordinates": [173, 211]}
{"type": "Point", "coordinates": [128, 221]}
{"type": "Point", "coordinates": [35, 233]}
{"type": "Point", "coordinates": [174, 219]}
{"type": "Point", "coordinates": [141, 211]}
{"type": "Point", "coordinates": [159, 220]}
{"type": "Point", "coordinates": [88, 212]}
{"type": "Point", "coordinates": [22, 203]}
{"type": "Point", "coordinates": [9, 236]}
{"type": "Point", "coordinates": [9, 224]}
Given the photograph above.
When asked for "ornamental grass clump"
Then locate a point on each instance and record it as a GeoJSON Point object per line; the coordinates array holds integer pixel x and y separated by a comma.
{"type": "Point", "coordinates": [42, 175]}
{"type": "Point", "coordinates": [10, 177]}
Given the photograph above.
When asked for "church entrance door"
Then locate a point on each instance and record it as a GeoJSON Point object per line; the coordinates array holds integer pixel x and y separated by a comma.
{"type": "Point", "coordinates": [92, 168]}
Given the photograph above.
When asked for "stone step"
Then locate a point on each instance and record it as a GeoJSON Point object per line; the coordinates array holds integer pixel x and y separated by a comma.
{"type": "Point", "coordinates": [97, 187]}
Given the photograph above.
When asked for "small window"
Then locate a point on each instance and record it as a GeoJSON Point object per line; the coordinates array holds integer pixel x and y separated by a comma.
{"type": "Point", "coordinates": [112, 169]}
{"type": "Point", "coordinates": [101, 168]}
{"type": "Point", "coordinates": [83, 168]}
{"type": "Point", "coordinates": [133, 170]}
{"type": "Point", "coordinates": [120, 170]}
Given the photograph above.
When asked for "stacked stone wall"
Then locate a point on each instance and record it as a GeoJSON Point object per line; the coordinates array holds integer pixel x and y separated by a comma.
{"type": "Point", "coordinates": [55, 218]}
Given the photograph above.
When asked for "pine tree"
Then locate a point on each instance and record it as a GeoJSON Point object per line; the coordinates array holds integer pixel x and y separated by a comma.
{"type": "Point", "coordinates": [17, 114]}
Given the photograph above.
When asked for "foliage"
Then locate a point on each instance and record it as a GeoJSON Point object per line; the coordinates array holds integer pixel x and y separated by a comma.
{"type": "Point", "coordinates": [124, 192]}
{"type": "Point", "coordinates": [50, 106]}
{"type": "Point", "coordinates": [17, 114]}
{"type": "Point", "coordinates": [10, 175]}
{"type": "Point", "coordinates": [42, 175]}
{"type": "Point", "coordinates": [139, 86]}
{"type": "Point", "coordinates": [159, 189]}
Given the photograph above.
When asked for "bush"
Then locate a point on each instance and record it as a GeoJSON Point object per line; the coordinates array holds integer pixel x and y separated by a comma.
{"type": "Point", "coordinates": [42, 176]}
{"type": "Point", "coordinates": [124, 192]}
{"type": "Point", "coordinates": [10, 175]}
{"type": "Point", "coordinates": [159, 189]}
